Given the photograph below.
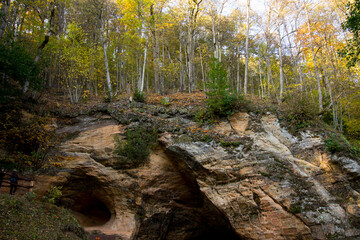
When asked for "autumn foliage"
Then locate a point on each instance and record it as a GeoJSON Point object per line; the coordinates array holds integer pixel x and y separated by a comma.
{"type": "Point", "coordinates": [179, 99]}
{"type": "Point", "coordinates": [26, 138]}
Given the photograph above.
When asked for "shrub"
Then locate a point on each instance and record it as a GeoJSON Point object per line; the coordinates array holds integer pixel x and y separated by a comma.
{"type": "Point", "coordinates": [107, 98]}
{"type": "Point", "coordinates": [139, 96]}
{"type": "Point", "coordinates": [299, 111]}
{"type": "Point", "coordinates": [53, 194]}
{"type": "Point", "coordinates": [333, 144]}
{"type": "Point", "coordinates": [165, 101]}
{"type": "Point", "coordinates": [222, 106]}
{"type": "Point", "coordinates": [339, 144]}
{"type": "Point", "coordinates": [137, 145]}
{"type": "Point", "coordinates": [221, 102]}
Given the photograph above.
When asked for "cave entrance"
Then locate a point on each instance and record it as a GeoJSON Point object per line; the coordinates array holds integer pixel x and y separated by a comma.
{"type": "Point", "coordinates": [90, 211]}
{"type": "Point", "coordinates": [86, 198]}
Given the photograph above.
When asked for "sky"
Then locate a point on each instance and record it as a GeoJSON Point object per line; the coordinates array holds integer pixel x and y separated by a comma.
{"type": "Point", "coordinates": [256, 5]}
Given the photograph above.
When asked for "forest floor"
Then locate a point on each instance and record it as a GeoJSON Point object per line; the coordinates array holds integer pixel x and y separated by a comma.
{"type": "Point", "coordinates": [54, 101]}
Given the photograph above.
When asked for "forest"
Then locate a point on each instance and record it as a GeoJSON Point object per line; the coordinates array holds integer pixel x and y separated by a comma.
{"type": "Point", "coordinates": [303, 51]}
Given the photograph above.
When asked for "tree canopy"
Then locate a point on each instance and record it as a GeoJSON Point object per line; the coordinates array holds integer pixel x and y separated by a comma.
{"type": "Point", "coordinates": [96, 48]}
{"type": "Point", "coordinates": [352, 50]}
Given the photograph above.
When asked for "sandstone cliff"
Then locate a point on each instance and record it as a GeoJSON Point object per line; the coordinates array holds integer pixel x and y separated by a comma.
{"type": "Point", "coordinates": [273, 185]}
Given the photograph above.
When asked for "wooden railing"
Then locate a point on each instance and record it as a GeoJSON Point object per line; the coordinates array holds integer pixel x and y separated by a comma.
{"type": "Point", "coordinates": [7, 181]}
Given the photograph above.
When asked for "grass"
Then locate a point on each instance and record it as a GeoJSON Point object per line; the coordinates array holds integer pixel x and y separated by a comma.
{"type": "Point", "coordinates": [21, 218]}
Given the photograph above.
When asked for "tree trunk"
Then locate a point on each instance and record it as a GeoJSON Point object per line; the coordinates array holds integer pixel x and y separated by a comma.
{"type": "Point", "coordinates": [247, 46]}
{"type": "Point", "coordinates": [143, 71]}
{"type": "Point", "coordinates": [202, 71]}
{"type": "Point", "coordinates": [238, 84]}
{"type": "Point", "coordinates": [281, 65]}
{"type": "Point", "coordinates": [301, 78]}
{"type": "Point", "coordinates": [191, 52]}
{"type": "Point", "coordinates": [315, 64]}
{"type": "Point", "coordinates": [330, 83]}
{"type": "Point", "coordinates": [194, 11]}
{"type": "Point", "coordinates": [155, 49]}
{"type": "Point", "coordinates": [181, 77]}
{"type": "Point", "coordinates": [213, 27]}
{"type": "Point", "coordinates": [260, 80]}
{"type": "Point", "coordinates": [162, 74]}
{"type": "Point", "coordinates": [108, 80]}
{"type": "Point", "coordinates": [4, 11]}
{"type": "Point", "coordinates": [44, 43]}
{"type": "Point", "coordinates": [269, 73]}
{"type": "Point", "coordinates": [290, 46]}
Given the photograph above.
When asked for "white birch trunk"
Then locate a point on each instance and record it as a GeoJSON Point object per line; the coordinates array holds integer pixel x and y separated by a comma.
{"type": "Point", "coordinates": [108, 80]}
{"type": "Point", "coordinates": [315, 64]}
{"type": "Point", "coordinates": [247, 47]}
{"type": "Point", "coordinates": [143, 71]}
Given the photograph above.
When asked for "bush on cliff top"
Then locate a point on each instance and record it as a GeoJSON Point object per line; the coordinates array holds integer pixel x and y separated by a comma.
{"type": "Point", "coordinates": [137, 146]}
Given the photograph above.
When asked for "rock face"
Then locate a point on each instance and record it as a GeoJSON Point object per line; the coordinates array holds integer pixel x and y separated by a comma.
{"type": "Point", "coordinates": [156, 201]}
{"type": "Point", "coordinates": [282, 188]}
{"type": "Point", "coordinates": [272, 186]}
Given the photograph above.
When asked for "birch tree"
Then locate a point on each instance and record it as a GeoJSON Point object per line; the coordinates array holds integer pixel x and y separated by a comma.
{"type": "Point", "coordinates": [193, 14]}
{"type": "Point", "coordinates": [317, 75]}
{"type": "Point", "coordinates": [247, 47]}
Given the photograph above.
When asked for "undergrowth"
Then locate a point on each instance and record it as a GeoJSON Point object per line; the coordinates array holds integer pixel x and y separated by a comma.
{"type": "Point", "coordinates": [139, 96]}
{"type": "Point", "coordinates": [165, 101]}
{"type": "Point", "coordinates": [337, 143]}
{"type": "Point", "coordinates": [27, 139]}
{"type": "Point", "coordinates": [53, 195]}
{"type": "Point", "coordinates": [22, 218]}
{"type": "Point", "coordinates": [299, 112]}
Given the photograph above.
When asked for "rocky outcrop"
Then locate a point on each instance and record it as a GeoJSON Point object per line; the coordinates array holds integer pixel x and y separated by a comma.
{"type": "Point", "coordinates": [97, 195]}
{"type": "Point", "coordinates": [152, 202]}
{"type": "Point", "coordinates": [282, 188]}
{"type": "Point", "coordinates": [271, 186]}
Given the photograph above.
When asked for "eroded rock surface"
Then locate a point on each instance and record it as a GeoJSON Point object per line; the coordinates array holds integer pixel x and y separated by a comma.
{"type": "Point", "coordinates": [283, 188]}
{"type": "Point", "coordinates": [272, 186]}
{"type": "Point", "coordinates": [156, 201]}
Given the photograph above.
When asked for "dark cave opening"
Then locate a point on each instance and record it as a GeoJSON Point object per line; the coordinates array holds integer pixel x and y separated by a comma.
{"type": "Point", "coordinates": [87, 199]}
{"type": "Point", "coordinates": [90, 211]}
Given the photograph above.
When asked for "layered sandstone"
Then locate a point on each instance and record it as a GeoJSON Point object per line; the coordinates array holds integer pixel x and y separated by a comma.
{"type": "Point", "coordinates": [272, 186]}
